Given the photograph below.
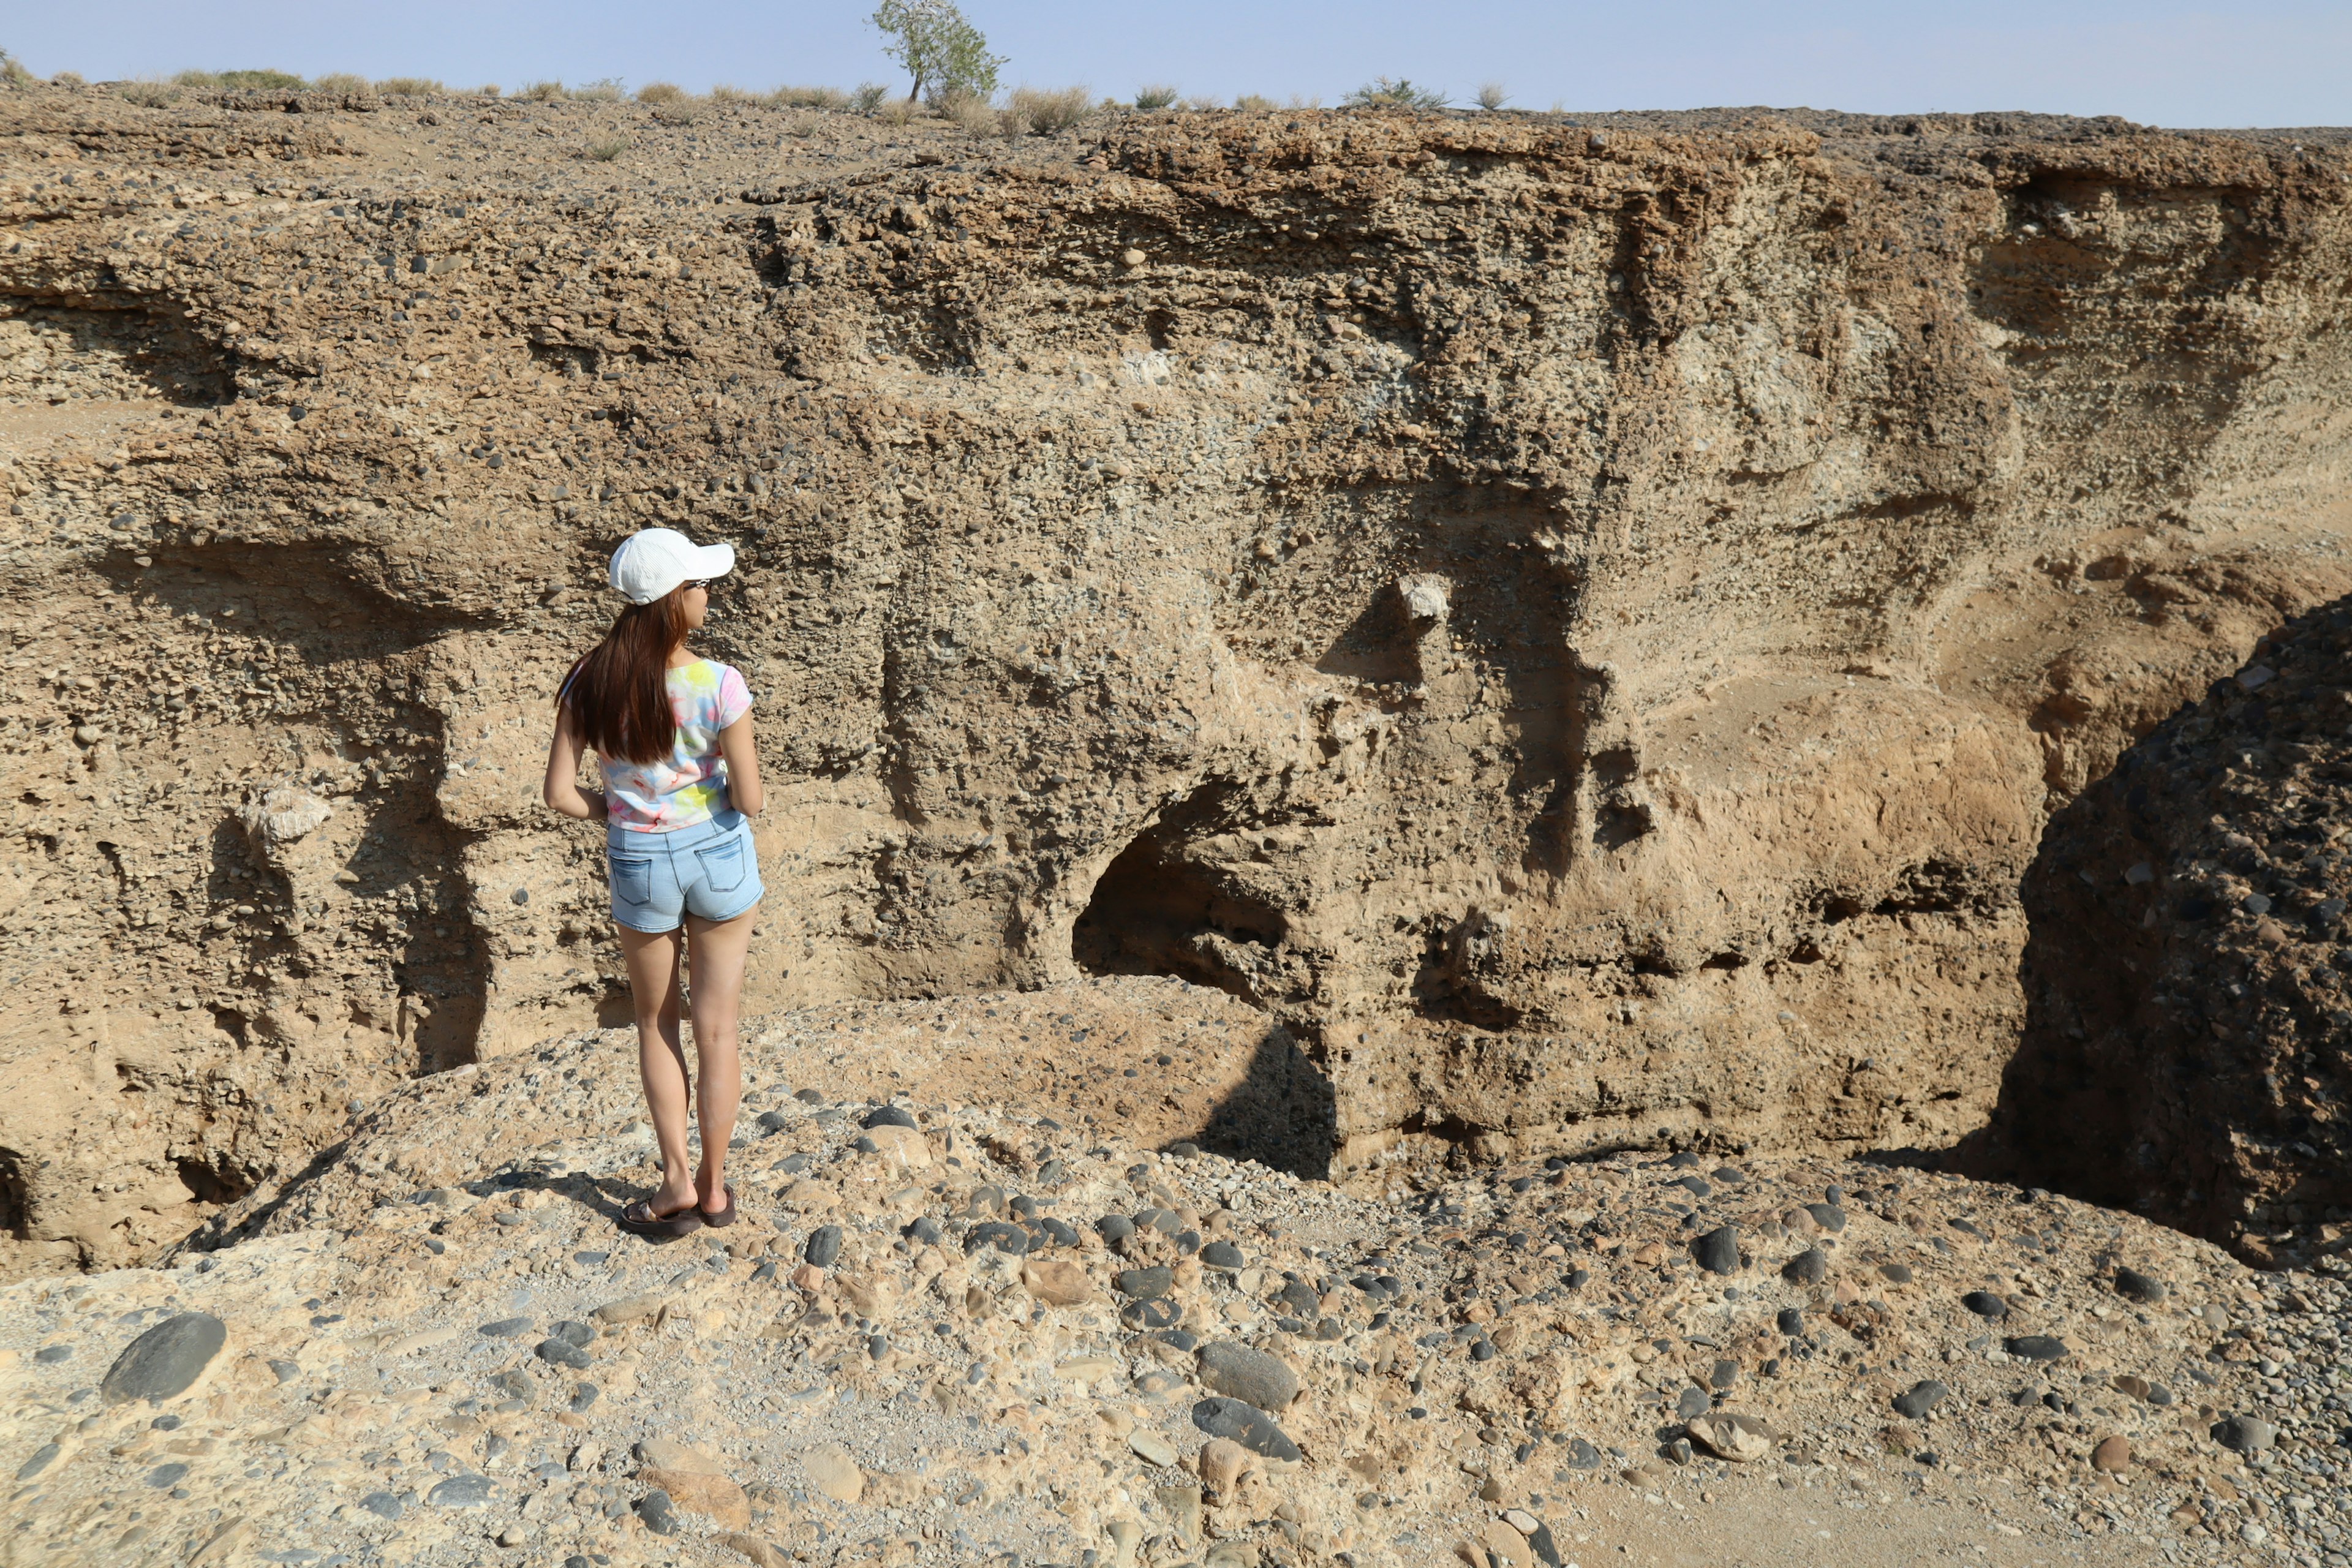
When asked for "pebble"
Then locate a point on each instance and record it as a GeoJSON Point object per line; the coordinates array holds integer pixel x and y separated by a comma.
{"type": "Point", "coordinates": [1810, 1266]}
{"type": "Point", "coordinates": [508, 1328]}
{"type": "Point", "coordinates": [2144, 1289]}
{"type": "Point", "coordinates": [2245, 1434]}
{"type": "Point", "coordinates": [2035, 1347]}
{"type": "Point", "coordinates": [1222, 1255]}
{"type": "Point", "coordinates": [1152, 1447]}
{"type": "Point", "coordinates": [1249, 1375]}
{"type": "Point", "coordinates": [1005, 1237]}
{"type": "Point", "coordinates": [888, 1116]}
{"type": "Point", "coordinates": [461, 1491]}
{"type": "Point", "coordinates": [1145, 1284]}
{"type": "Point", "coordinates": [1829, 1216]}
{"type": "Point", "coordinates": [824, 1245]}
{"type": "Point", "coordinates": [40, 1459]}
{"type": "Point", "coordinates": [1693, 1404]}
{"type": "Point", "coordinates": [165, 1361]}
{"type": "Point", "coordinates": [2112, 1455]}
{"type": "Point", "coordinates": [655, 1509]}
{"type": "Point", "coordinates": [49, 1355]}
{"type": "Point", "coordinates": [1923, 1397]}
{"type": "Point", "coordinates": [163, 1477]}
{"type": "Point", "coordinates": [563, 1352]}
{"type": "Point", "coordinates": [1718, 1251]}
{"type": "Point", "coordinates": [831, 1470]}
{"type": "Point", "coordinates": [1985, 1304]}
{"type": "Point", "coordinates": [1244, 1424]}
{"type": "Point", "coordinates": [383, 1505]}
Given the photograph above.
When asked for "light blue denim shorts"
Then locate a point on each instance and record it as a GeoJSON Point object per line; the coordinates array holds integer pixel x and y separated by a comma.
{"type": "Point", "coordinates": [709, 869]}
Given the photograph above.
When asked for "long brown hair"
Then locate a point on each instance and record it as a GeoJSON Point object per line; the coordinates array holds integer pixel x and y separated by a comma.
{"type": "Point", "coordinates": [619, 694]}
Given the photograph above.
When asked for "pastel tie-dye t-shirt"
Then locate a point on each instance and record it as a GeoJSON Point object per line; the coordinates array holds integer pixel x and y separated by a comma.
{"type": "Point", "coordinates": [687, 785]}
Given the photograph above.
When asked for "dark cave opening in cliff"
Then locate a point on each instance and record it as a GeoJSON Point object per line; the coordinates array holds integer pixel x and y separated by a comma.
{"type": "Point", "coordinates": [1166, 906]}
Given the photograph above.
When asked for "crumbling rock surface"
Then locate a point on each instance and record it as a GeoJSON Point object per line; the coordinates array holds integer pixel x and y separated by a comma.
{"type": "Point", "coordinates": [2187, 1015]}
{"type": "Point", "coordinates": [1578, 623]}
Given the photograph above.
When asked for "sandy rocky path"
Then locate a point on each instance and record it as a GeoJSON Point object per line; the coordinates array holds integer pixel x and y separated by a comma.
{"type": "Point", "coordinates": [951, 1332]}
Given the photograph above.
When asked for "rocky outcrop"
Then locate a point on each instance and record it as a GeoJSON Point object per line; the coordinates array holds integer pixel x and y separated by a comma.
{"type": "Point", "coordinates": [2187, 1015]}
{"type": "Point", "coordinates": [1578, 623]}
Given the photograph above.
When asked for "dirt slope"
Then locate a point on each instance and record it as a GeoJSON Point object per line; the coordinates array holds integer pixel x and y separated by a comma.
{"type": "Point", "coordinates": [1578, 623]}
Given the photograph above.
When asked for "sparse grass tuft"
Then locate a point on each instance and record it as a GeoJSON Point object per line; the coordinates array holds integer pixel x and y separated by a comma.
{"type": "Point", "coordinates": [662, 92]}
{"type": "Point", "coordinates": [409, 86]}
{"type": "Point", "coordinates": [1159, 95]}
{"type": "Point", "coordinates": [972, 112]}
{"type": "Point", "coordinates": [1491, 95]}
{"type": "Point", "coordinates": [1036, 111]}
{"type": "Point", "coordinates": [69, 79]}
{"type": "Point", "coordinates": [868, 96]}
{"type": "Point", "coordinates": [543, 92]}
{"type": "Point", "coordinates": [149, 94]}
{"type": "Point", "coordinates": [606, 152]}
{"type": "Point", "coordinates": [342, 82]}
{"type": "Point", "coordinates": [826, 98]}
{"type": "Point", "coordinates": [732, 96]}
{"type": "Point", "coordinates": [240, 81]}
{"type": "Point", "coordinates": [13, 73]}
{"type": "Point", "coordinates": [489, 90]}
{"type": "Point", "coordinates": [603, 89]}
{"type": "Point", "coordinates": [1255, 103]}
{"type": "Point", "coordinates": [895, 111]}
{"type": "Point", "coordinates": [1382, 93]}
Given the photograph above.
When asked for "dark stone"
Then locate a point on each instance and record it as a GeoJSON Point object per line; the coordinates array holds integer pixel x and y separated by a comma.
{"type": "Point", "coordinates": [1481, 1350]}
{"type": "Point", "coordinates": [2035, 1347]}
{"type": "Point", "coordinates": [888, 1116]}
{"type": "Point", "coordinates": [1180, 1340]}
{"type": "Point", "coordinates": [808, 1097]}
{"type": "Point", "coordinates": [1300, 1297]}
{"type": "Point", "coordinates": [1723, 1374]}
{"type": "Point", "coordinates": [286, 1371]}
{"type": "Point", "coordinates": [2245, 1434]}
{"type": "Point", "coordinates": [1164, 1221]}
{"type": "Point", "coordinates": [1145, 1284]}
{"type": "Point", "coordinates": [1059, 1230]}
{"type": "Point", "coordinates": [655, 1509]}
{"type": "Point", "coordinates": [1895, 1273]}
{"type": "Point", "coordinates": [765, 1272]}
{"type": "Point", "coordinates": [1923, 1396]}
{"type": "Point", "coordinates": [1582, 1455]}
{"type": "Point", "coordinates": [1810, 1266]}
{"type": "Point", "coordinates": [925, 1230]}
{"type": "Point", "coordinates": [1183, 1147]}
{"type": "Point", "coordinates": [1114, 1227]}
{"type": "Point", "coordinates": [1791, 1321]}
{"type": "Point", "coordinates": [508, 1328]}
{"type": "Point", "coordinates": [562, 1352]}
{"type": "Point", "coordinates": [41, 1458]}
{"type": "Point", "coordinates": [1829, 1216]}
{"type": "Point", "coordinates": [2144, 1289]}
{"type": "Point", "coordinates": [1718, 1251]}
{"type": "Point", "coordinates": [772, 1122]}
{"type": "Point", "coordinates": [1222, 1255]}
{"type": "Point", "coordinates": [1577, 1278]}
{"type": "Point", "coordinates": [824, 1245]}
{"type": "Point", "coordinates": [1684, 1160]}
{"type": "Point", "coordinates": [163, 1477]}
{"type": "Point", "coordinates": [1546, 1549]}
{"type": "Point", "coordinates": [1696, 1186]}
{"type": "Point", "coordinates": [571, 1332]}
{"type": "Point", "coordinates": [1692, 1403]}
{"type": "Point", "coordinates": [163, 1362]}
{"type": "Point", "coordinates": [1985, 1304]}
{"type": "Point", "coordinates": [586, 1395]}
{"type": "Point", "coordinates": [1729, 1173]}
{"type": "Point", "coordinates": [1002, 1236]}
{"type": "Point", "coordinates": [383, 1505]}
{"type": "Point", "coordinates": [1249, 1375]}
{"type": "Point", "coordinates": [1161, 1314]}
{"type": "Point", "coordinates": [49, 1355]}
{"type": "Point", "coordinates": [1245, 1424]}
{"type": "Point", "coordinates": [461, 1491]}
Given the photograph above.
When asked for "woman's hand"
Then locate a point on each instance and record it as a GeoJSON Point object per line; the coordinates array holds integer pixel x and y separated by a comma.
{"type": "Point", "coordinates": [562, 789]}
{"type": "Point", "coordinates": [743, 787]}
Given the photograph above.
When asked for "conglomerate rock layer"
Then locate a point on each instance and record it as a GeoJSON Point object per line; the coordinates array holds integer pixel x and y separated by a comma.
{"type": "Point", "coordinates": [1579, 622]}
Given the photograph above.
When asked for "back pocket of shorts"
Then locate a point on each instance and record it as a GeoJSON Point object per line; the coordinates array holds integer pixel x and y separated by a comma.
{"type": "Point", "coordinates": [722, 864]}
{"type": "Point", "coordinates": [633, 879]}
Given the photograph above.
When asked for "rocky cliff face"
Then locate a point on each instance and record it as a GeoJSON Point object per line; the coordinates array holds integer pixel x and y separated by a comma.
{"type": "Point", "coordinates": [1578, 623]}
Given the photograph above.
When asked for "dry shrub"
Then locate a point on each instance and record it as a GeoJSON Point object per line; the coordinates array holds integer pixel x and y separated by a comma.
{"type": "Point", "coordinates": [408, 87]}
{"type": "Point", "coordinates": [149, 94]}
{"type": "Point", "coordinates": [1036, 111]}
{"type": "Point", "coordinates": [662, 92]}
{"type": "Point", "coordinates": [488, 89]}
{"type": "Point", "coordinates": [1491, 95]}
{"type": "Point", "coordinates": [603, 89]}
{"type": "Point", "coordinates": [827, 97]}
{"type": "Point", "coordinates": [1159, 95]}
{"type": "Point", "coordinates": [895, 111]}
{"type": "Point", "coordinates": [1201, 103]}
{"type": "Point", "coordinates": [732, 96]}
{"type": "Point", "coordinates": [543, 92]}
{"type": "Point", "coordinates": [1255, 103]}
{"type": "Point", "coordinates": [240, 80]}
{"type": "Point", "coordinates": [344, 82]}
{"type": "Point", "coordinates": [974, 114]}
{"type": "Point", "coordinates": [69, 79]}
{"type": "Point", "coordinates": [868, 96]}
{"type": "Point", "coordinates": [606, 152]}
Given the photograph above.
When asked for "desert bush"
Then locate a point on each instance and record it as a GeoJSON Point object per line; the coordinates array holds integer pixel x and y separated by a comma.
{"type": "Point", "coordinates": [1035, 111]}
{"type": "Point", "coordinates": [1159, 95]}
{"type": "Point", "coordinates": [1303, 100]}
{"type": "Point", "coordinates": [946, 55]}
{"type": "Point", "coordinates": [149, 94]}
{"type": "Point", "coordinates": [868, 96]}
{"type": "Point", "coordinates": [13, 73]}
{"type": "Point", "coordinates": [240, 80]}
{"type": "Point", "coordinates": [489, 90]}
{"type": "Point", "coordinates": [1491, 95]}
{"type": "Point", "coordinates": [543, 92]}
{"type": "Point", "coordinates": [732, 96]}
{"type": "Point", "coordinates": [827, 97]}
{"type": "Point", "coordinates": [974, 115]}
{"type": "Point", "coordinates": [1382, 93]}
{"type": "Point", "coordinates": [67, 78]}
{"type": "Point", "coordinates": [408, 87]}
{"type": "Point", "coordinates": [1254, 103]}
{"type": "Point", "coordinates": [343, 82]}
{"type": "Point", "coordinates": [895, 111]}
{"type": "Point", "coordinates": [603, 89]}
{"type": "Point", "coordinates": [606, 152]}
{"type": "Point", "coordinates": [662, 92]}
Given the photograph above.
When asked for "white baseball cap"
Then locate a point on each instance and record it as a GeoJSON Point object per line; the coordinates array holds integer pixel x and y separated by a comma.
{"type": "Point", "coordinates": [653, 560]}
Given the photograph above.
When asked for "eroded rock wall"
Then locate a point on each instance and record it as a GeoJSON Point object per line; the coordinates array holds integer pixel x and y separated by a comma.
{"type": "Point", "coordinates": [1581, 623]}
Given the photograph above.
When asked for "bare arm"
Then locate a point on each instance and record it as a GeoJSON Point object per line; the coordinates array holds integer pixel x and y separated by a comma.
{"type": "Point", "coordinates": [744, 786]}
{"type": "Point", "coordinates": [562, 789]}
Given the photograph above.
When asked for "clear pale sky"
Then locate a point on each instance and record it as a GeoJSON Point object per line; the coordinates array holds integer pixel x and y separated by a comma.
{"type": "Point", "coordinates": [2261, 62]}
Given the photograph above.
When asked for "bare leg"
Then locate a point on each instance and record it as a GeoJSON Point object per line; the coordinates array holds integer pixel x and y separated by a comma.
{"type": "Point", "coordinates": [653, 962]}
{"type": "Point", "coordinates": [716, 950]}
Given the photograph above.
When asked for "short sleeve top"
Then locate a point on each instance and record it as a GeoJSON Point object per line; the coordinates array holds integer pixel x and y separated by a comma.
{"type": "Point", "coordinates": [690, 783]}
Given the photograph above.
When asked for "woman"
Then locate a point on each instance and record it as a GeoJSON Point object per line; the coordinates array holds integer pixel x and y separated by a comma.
{"type": "Point", "coordinates": [672, 733]}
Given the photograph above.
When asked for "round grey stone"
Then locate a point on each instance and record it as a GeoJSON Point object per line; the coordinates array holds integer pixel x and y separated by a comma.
{"type": "Point", "coordinates": [1923, 1396]}
{"type": "Point", "coordinates": [1222, 1255]}
{"type": "Point", "coordinates": [1693, 1404]}
{"type": "Point", "coordinates": [824, 1245]}
{"type": "Point", "coordinates": [1985, 1304]}
{"type": "Point", "coordinates": [1718, 1251]}
{"type": "Point", "coordinates": [461, 1491]}
{"type": "Point", "coordinates": [2144, 1289]}
{"type": "Point", "coordinates": [2035, 1347]}
{"type": "Point", "coordinates": [561, 1352]}
{"type": "Point", "coordinates": [165, 1361]}
{"type": "Point", "coordinates": [1250, 1375]}
{"type": "Point", "coordinates": [888, 1116]}
{"type": "Point", "coordinates": [1145, 1284]}
{"type": "Point", "coordinates": [2245, 1434]}
{"type": "Point", "coordinates": [383, 1505]}
{"type": "Point", "coordinates": [163, 1477]}
{"type": "Point", "coordinates": [655, 1509]}
{"type": "Point", "coordinates": [1810, 1266]}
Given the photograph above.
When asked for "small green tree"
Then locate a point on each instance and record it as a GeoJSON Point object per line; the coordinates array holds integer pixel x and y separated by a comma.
{"type": "Point", "coordinates": [945, 54]}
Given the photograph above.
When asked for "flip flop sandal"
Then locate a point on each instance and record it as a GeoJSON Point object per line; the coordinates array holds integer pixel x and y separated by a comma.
{"type": "Point", "coordinates": [715, 1218]}
{"type": "Point", "coordinates": [639, 1219]}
